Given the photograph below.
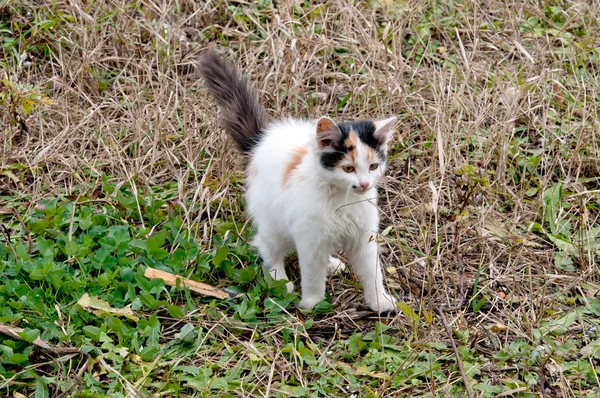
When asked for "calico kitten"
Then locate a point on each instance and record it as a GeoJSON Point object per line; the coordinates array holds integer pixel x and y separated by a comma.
{"type": "Point", "coordinates": [311, 186]}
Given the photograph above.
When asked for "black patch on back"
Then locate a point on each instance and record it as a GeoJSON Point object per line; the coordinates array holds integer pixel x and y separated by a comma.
{"type": "Point", "coordinates": [365, 131]}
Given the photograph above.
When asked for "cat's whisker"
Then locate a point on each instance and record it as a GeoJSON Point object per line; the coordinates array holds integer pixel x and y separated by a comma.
{"type": "Point", "coordinates": [348, 190]}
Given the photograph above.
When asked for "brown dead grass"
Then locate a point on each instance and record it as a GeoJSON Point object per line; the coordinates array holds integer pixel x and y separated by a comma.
{"type": "Point", "coordinates": [126, 104]}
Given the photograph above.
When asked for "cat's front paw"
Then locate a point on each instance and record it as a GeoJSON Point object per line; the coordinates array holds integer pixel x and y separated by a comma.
{"type": "Point", "coordinates": [290, 287]}
{"type": "Point", "coordinates": [384, 302]}
{"type": "Point", "coordinates": [308, 303]}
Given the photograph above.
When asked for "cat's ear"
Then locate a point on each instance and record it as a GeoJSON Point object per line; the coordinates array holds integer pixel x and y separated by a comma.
{"type": "Point", "coordinates": [328, 133]}
{"type": "Point", "coordinates": [384, 129]}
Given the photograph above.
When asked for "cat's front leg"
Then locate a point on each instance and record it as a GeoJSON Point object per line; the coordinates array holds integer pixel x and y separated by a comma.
{"type": "Point", "coordinates": [313, 259]}
{"type": "Point", "coordinates": [362, 253]}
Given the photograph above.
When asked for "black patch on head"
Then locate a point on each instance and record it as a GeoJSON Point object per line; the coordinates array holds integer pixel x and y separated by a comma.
{"type": "Point", "coordinates": [331, 158]}
{"type": "Point", "coordinates": [364, 130]}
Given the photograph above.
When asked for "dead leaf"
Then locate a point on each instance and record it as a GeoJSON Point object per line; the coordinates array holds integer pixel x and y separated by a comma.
{"type": "Point", "coordinates": [198, 287]}
{"type": "Point", "coordinates": [13, 333]}
{"type": "Point", "coordinates": [387, 3]}
{"type": "Point", "coordinates": [498, 328]}
{"type": "Point", "coordinates": [11, 175]}
{"type": "Point", "coordinates": [420, 210]}
{"type": "Point", "coordinates": [100, 308]}
{"type": "Point", "coordinates": [363, 370]}
{"type": "Point", "coordinates": [492, 227]}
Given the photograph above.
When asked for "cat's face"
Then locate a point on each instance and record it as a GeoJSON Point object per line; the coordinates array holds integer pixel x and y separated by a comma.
{"type": "Point", "coordinates": [354, 154]}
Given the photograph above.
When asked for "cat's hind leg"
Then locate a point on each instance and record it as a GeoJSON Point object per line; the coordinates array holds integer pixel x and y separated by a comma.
{"type": "Point", "coordinates": [335, 266]}
{"type": "Point", "coordinates": [313, 258]}
{"type": "Point", "coordinates": [273, 250]}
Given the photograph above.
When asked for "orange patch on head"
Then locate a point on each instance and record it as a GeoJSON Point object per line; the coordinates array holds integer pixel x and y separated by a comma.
{"type": "Point", "coordinates": [295, 159]}
{"type": "Point", "coordinates": [371, 155]}
{"type": "Point", "coordinates": [350, 143]}
{"type": "Point", "coordinates": [352, 140]}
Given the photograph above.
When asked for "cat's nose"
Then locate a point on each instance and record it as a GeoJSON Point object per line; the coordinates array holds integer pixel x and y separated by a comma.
{"type": "Point", "coordinates": [364, 185]}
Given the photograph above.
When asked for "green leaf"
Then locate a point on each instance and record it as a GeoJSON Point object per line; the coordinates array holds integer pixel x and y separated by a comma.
{"type": "Point", "coordinates": [149, 301]}
{"type": "Point", "coordinates": [561, 325]}
{"type": "Point", "coordinates": [552, 199]}
{"type": "Point", "coordinates": [92, 332]}
{"type": "Point", "coordinates": [106, 186]}
{"type": "Point", "coordinates": [117, 237]}
{"type": "Point", "coordinates": [156, 241]}
{"type": "Point", "coordinates": [489, 390]}
{"type": "Point", "coordinates": [18, 359]}
{"type": "Point", "coordinates": [343, 102]}
{"type": "Point", "coordinates": [531, 192]}
{"type": "Point", "coordinates": [477, 305]}
{"type": "Point", "coordinates": [536, 227]}
{"type": "Point", "coordinates": [138, 246]}
{"type": "Point", "coordinates": [105, 279]}
{"type": "Point", "coordinates": [46, 248]}
{"type": "Point", "coordinates": [71, 249]}
{"type": "Point", "coordinates": [37, 226]}
{"type": "Point", "coordinates": [222, 227]}
{"type": "Point", "coordinates": [246, 310]}
{"type": "Point", "coordinates": [86, 223]}
{"type": "Point", "coordinates": [220, 255]}
{"type": "Point", "coordinates": [595, 306]}
{"type": "Point", "coordinates": [29, 335]}
{"type": "Point", "coordinates": [562, 243]}
{"type": "Point", "coordinates": [218, 383]}
{"type": "Point", "coordinates": [149, 353]}
{"type": "Point", "coordinates": [158, 254]}
{"type": "Point", "coordinates": [592, 349]}
{"type": "Point", "coordinates": [408, 312]}
{"type": "Point", "coordinates": [563, 261]}
{"type": "Point", "coordinates": [41, 389]}
{"type": "Point", "coordinates": [187, 333]}
{"type": "Point", "coordinates": [175, 311]}
{"type": "Point", "coordinates": [323, 307]}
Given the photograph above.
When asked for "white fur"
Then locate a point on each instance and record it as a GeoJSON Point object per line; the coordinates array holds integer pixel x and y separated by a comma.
{"type": "Point", "coordinates": [317, 212]}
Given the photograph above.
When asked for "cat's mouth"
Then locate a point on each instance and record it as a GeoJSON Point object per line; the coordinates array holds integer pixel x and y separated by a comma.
{"type": "Point", "coordinates": [360, 190]}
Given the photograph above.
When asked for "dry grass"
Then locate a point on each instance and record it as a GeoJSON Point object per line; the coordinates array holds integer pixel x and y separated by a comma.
{"type": "Point", "coordinates": [510, 88]}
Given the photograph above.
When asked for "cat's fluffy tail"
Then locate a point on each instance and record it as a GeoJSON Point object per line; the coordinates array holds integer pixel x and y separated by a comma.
{"type": "Point", "coordinates": [242, 115]}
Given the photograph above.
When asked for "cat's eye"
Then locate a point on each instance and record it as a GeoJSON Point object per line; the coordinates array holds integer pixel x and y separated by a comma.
{"type": "Point", "coordinates": [348, 169]}
{"type": "Point", "coordinates": [374, 166]}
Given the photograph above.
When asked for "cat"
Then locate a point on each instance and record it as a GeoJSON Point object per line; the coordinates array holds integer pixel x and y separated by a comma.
{"type": "Point", "coordinates": [310, 186]}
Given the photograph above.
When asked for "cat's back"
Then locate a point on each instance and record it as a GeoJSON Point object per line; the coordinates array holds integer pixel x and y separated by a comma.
{"type": "Point", "coordinates": [287, 133]}
{"type": "Point", "coordinates": [282, 142]}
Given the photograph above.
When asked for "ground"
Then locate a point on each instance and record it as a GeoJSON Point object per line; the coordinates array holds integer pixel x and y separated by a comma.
{"type": "Point", "coordinates": [112, 161]}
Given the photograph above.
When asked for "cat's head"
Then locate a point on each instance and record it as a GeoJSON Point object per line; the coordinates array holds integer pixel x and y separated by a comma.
{"type": "Point", "coordinates": [354, 154]}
